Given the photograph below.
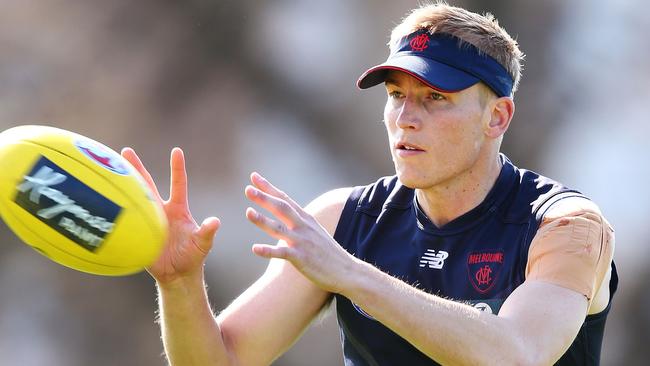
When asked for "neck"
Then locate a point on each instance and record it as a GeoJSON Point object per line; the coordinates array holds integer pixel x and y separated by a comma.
{"type": "Point", "coordinates": [448, 200]}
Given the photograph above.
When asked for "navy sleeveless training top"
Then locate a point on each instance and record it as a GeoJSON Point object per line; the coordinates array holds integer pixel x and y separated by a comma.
{"type": "Point", "coordinates": [479, 258]}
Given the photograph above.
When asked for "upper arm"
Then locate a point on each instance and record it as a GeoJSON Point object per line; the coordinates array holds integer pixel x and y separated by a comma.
{"type": "Point", "coordinates": [545, 319]}
{"type": "Point", "coordinates": [264, 321]}
{"type": "Point", "coordinates": [573, 248]}
{"type": "Point", "coordinates": [567, 268]}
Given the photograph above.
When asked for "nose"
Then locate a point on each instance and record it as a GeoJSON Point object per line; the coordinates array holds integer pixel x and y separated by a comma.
{"type": "Point", "coordinates": [408, 118]}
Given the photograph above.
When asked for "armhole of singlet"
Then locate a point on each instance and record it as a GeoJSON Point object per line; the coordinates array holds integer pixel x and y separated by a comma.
{"type": "Point", "coordinates": [538, 213]}
{"type": "Point", "coordinates": [358, 346]}
{"type": "Point", "coordinates": [546, 205]}
{"type": "Point", "coordinates": [343, 226]}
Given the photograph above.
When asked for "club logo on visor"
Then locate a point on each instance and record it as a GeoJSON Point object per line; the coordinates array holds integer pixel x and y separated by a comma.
{"type": "Point", "coordinates": [420, 42]}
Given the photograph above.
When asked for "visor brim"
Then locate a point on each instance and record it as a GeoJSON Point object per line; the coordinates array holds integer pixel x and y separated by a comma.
{"type": "Point", "coordinates": [434, 74]}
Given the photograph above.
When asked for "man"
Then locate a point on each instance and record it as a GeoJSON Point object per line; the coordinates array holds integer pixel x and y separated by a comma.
{"type": "Point", "coordinates": [460, 259]}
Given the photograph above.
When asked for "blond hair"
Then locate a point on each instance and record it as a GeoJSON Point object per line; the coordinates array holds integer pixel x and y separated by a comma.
{"type": "Point", "coordinates": [481, 31]}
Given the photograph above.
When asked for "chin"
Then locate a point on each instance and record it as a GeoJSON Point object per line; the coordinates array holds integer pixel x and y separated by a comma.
{"type": "Point", "coordinates": [413, 181]}
{"type": "Point", "coordinates": [410, 176]}
{"type": "Point", "coordinates": [416, 179]}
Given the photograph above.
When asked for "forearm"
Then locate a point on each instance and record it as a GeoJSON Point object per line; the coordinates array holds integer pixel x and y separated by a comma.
{"type": "Point", "coordinates": [447, 331]}
{"type": "Point", "coordinates": [190, 333]}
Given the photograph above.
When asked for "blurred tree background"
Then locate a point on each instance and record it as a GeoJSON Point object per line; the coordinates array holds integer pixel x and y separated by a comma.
{"type": "Point", "coordinates": [268, 86]}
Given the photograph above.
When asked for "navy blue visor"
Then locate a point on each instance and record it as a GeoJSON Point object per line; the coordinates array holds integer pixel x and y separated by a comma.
{"type": "Point", "coordinates": [442, 62]}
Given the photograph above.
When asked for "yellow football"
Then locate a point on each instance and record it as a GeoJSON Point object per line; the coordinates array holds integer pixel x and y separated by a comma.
{"type": "Point", "coordinates": [78, 202]}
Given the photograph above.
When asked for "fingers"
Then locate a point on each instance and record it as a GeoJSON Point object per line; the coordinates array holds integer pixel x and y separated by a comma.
{"type": "Point", "coordinates": [265, 186]}
{"type": "Point", "coordinates": [272, 251]}
{"type": "Point", "coordinates": [130, 155]}
{"type": "Point", "coordinates": [282, 209]}
{"type": "Point", "coordinates": [272, 227]}
{"type": "Point", "coordinates": [178, 187]}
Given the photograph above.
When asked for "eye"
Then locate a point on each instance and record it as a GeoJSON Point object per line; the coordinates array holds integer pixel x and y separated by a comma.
{"type": "Point", "coordinates": [437, 96]}
{"type": "Point", "coordinates": [395, 94]}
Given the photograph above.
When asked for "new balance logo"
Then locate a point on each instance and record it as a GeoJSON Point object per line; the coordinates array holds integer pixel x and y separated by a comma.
{"type": "Point", "coordinates": [433, 259]}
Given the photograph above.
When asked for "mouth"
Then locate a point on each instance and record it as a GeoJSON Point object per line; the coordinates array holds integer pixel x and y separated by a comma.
{"type": "Point", "coordinates": [406, 146]}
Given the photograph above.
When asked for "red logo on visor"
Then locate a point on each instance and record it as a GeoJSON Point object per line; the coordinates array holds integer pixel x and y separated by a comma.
{"type": "Point", "coordinates": [420, 42]}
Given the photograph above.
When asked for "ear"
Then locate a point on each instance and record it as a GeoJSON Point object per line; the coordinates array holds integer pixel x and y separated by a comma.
{"type": "Point", "coordinates": [501, 111]}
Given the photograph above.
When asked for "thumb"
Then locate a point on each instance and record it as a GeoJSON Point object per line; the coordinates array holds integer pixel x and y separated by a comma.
{"type": "Point", "coordinates": [206, 232]}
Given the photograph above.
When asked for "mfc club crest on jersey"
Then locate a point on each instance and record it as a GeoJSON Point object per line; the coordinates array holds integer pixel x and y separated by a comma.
{"type": "Point", "coordinates": [483, 268]}
{"type": "Point", "coordinates": [102, 156]}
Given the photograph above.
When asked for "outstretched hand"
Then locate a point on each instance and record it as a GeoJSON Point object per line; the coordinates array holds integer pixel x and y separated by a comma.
{"type": "Point", "coordinates": [188, 243]}
{"type": "Point", "coordinates": [302, 240]}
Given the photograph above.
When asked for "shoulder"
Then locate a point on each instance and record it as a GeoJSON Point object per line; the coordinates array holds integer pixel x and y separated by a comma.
{"type": "Point", "coordinates": [327, 207]}
{"type": "Point", "coordinates": [583, 214]}
{"type": "Point", "coordinates": [572, 206]}
{"type": "Point", "coordinates": [542, 191]}
{"type": "Point", "coordinates": [580, 212]}
{"type": "Point", "coordinates": [529, 194]}
{"type": "Point", "coordinates": [575, 206]}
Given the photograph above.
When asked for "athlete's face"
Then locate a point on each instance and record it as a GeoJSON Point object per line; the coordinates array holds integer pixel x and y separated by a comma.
{"type": "Point", "coordinates": [433, 136]}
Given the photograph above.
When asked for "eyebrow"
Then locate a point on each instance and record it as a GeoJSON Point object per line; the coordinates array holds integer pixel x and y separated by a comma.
{"type": "Point", "coordinates": [395, 83]}
{"type": "Point", "coordinates": [391, 82]}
